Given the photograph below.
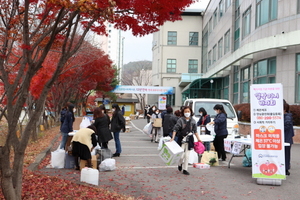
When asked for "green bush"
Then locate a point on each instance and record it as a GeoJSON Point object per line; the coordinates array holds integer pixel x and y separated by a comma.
{"type": "Point", "coordinates": [246, 114]}
{"type": "Point", "coordinates": [245, 108]}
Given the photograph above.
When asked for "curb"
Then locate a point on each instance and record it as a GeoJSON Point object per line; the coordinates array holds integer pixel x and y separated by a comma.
{"type": "Point", "coordinates": [40, 157]}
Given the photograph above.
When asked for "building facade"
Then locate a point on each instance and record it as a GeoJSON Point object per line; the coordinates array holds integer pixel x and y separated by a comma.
{"type": "Point", "coordinates": [252, 42]}
{"type": "Point", "coordinates": [177, 55]}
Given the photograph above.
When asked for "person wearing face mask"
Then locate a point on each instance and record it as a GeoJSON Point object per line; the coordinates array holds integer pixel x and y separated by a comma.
{"type": "Point", "coordinates": [203, 120]}
{"type": "Point", "coordinates": [220, 128]}
{"type": "Point", "coordinates": [157, 130]}
{"type": "Point", "coordinates": [185, 128]}
{"type": "Point", "coordinates": [150, 112]}
{"type": "Point", "coordinates": [117, 124]}
{"type": "Point", "coordinates": [67, 125]}
{"type": "Point", "coordinates": [101, 123]}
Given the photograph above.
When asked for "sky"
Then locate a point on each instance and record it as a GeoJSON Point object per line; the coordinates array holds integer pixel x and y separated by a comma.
{"type": "Point", "coordinates": [140, 48]}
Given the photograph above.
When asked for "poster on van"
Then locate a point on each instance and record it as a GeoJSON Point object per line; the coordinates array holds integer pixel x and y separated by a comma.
{"type": "Point", "coordinates": [267, 131]}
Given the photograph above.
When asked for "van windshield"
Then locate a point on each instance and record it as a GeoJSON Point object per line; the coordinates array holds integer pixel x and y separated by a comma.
{"type": "Point", "coordinates": [208, 106]}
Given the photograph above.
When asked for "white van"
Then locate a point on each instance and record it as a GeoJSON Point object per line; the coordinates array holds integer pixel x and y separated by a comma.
{"type": "Point", "coordinates": [208, 105]}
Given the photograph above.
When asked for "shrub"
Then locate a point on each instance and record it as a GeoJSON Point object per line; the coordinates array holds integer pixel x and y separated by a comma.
{"type": "Point", "coordinates": [295, 110]}
{"type": "Point", "coordinates": [245, 108]}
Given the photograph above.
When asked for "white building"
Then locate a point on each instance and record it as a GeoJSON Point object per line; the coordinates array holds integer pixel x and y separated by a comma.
{"type": "Point", "coordinates": [177, 54]}
{"type": "Point", "coordinates": [112, 44]}
{"type": "Point", "coordinates": [243, 43]}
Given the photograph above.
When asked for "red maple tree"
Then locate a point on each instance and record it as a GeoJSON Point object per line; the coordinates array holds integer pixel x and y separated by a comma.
{"type": "Point", "coordinates": [37, 27]}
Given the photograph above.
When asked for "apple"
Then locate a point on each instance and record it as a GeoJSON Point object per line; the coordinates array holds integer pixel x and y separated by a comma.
{"type": "Point", "coordinates": [268, 169]}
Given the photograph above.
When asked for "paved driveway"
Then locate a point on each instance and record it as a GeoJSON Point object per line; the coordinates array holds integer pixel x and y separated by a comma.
{"type": "Point", "coordinates": [142, 174]}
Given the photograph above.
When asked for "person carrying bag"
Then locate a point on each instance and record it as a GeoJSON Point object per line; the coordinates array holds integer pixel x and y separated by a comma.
{"type": "Point", "coordinates": [185, 128]}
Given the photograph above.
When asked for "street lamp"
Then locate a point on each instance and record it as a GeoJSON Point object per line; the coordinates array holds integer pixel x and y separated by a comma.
{"type": "Point", "coordinates": [211, 82]}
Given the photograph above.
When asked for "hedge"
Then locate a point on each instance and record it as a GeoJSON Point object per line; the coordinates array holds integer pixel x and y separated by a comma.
{"type": "Point", "coordinates": [246, 115]}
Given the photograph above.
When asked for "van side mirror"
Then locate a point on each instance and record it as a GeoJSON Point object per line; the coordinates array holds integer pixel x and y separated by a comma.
{"type": "Point", "coordinates": [239, 114]}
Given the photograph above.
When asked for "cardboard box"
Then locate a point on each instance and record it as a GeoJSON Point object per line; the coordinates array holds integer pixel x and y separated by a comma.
{"type": "Point", "coordinates": [171, 153]}
{"type": "Point", "coordinates": [201, 166]}
{"type": "Point", "coordinates": [157, 122]}
{"type": "Point", "coordinates": [83, 163]}
{"type": "Point", "coordinates": [76, 124]}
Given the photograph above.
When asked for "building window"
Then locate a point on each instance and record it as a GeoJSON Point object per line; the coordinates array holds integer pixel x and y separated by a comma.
{"type": "Point", "coordinates": [237, 25]}
{"type": "Point", "coordinates": [298, 6]}
{"type": "Point", "coordinates": [246, 22]}
{"type": "Point", "coordinates": [210, 25]}
{"type": "Point", "coordinates": [227, 4]}
{"type": "Point", "coordinates": [209, 58]}
{"type": "Point", "coordinates": [226, 88]}
{"type": "Point", "coordinates": [245, 84]}
{"type": "Point", "coordinates": [266, 11]}
{"type": "Point", "coordinates": [204, 49]}
{"type": "Point", "coordinates": [235, 84]}
{"type": "Point", "coordinates": [227, 42]}
{"type": "Point", "coordinates": [214, 59]}
{"type": "Point", "coordinates": [264, 71]}
{"type": "Point", "coordinates": [171, 66]}
{"type": "Point", "coordinates": [220, 48]}
{"type": "Point", "coordinates": [193, 66]}
{"type": "Point", "coordinates": [221, 9]}
{"type": "Point", "coordinates": [298, 78]}
{"type": "Point", "coordinates": [172, 38]}
{"type": "Point", "coordinates": [215, 18]}
{"type": "Point", "coordinates": [193, 38]}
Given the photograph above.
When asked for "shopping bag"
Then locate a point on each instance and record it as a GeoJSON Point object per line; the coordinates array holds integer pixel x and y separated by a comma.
{"type": "Point", "coordinates": [157, 122]}
{"type": "Point", "coordinates": [147, 129]}
{"type": "Point", "coordinates": [210, 157]}
{"type": "Point", "coordinates": [58, 158]}
{"type": "Point", "coordinates": [84, 123]}
{"type": "Point", "coordinates": [108, 164]}
{"type": "Point", "coordinates": [247, 162]}
{"type": "Point", "coordinates": [199, 147]}
{"type": "Point", "coordinates": [162, 140]}
{"type": "Point", "coordinates": [193, 157]}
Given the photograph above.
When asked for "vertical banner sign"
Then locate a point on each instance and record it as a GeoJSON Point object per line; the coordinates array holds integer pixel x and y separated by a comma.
{"type": "Point", "coordinates": [162, 102]}
{"type": "Point", "coordinates": [267, 131]}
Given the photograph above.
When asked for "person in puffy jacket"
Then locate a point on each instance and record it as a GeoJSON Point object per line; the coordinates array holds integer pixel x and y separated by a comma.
{"type": "Point", "coordinates": [220, 128]}
{"type": "Point", "coordinates": [288, 135]}
{"type": "Point", "coordinates": [67, 125]}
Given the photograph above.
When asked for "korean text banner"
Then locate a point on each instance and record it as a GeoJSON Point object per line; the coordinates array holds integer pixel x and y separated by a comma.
{"type": "Point", "coordinates": [267, 131]}
{"type": "Point", "coordinates": [143, 89]}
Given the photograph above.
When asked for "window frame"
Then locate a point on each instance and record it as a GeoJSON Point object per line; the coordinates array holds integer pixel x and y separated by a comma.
{"type": "Point", "coordinates": [220, 48]}
{"type": "Point", "coordinates": [267, 77]}
{"type": "Point", "coordinates": [260, 10]}
{"type": "Point", "coordinates": [244, 81]}
{"type": "Point", "coordinates": [172, 39]}
{"type": "Point", "coordinates": [192, 66]}
{"type": "Point", "coordinates": [297, 79]}
{"type": "Point", "coordinates": [246, 15]}
{"type": "Point", "coordinates": [170, 65]}
{"type": "Point", "coordinates": [193, 39]}
{"type": "Point", "coordinates": [227, 42]}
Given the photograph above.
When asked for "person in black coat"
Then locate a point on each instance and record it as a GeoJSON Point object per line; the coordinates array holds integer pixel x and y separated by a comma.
{"type": "Point", "coordinates": [166, 122]}
{"type": "Point", "coordinates": [117, 124]}
{"type": "Point", "coordinates": [150, 113]}
{"type": "Point", "coordinates": [173, 120]}
{"type": "Point", "coordinates": [203, 120]}
{"type": "Point", "coordinates": [101, 123]}
{"type": "Point", "coordinates": [220, 127]}
{"type": "Point", "coordinates": [67, 125]}
{"type": "Point", "coordinates": [288, 135]}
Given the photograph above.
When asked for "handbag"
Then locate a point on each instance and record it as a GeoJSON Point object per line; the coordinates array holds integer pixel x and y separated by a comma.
{"type": "Point", "coordinates": [210, 157]}
{"type": "Point", "coordinates": [199, 147]}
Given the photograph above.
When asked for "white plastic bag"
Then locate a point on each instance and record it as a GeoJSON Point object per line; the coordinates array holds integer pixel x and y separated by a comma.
{"type": "Point", "coordinates": [84, 123]}
{"type": "Point", "coordinates": [162, 140]}
{"type": "Point", "coordinates": [147, 129]}
{"type": "Point", "coordinates": [58, 158]}
{"type": "Point", "coordinates": [108, 164]}
{"type": "Point", "coordinates": [194, 158]}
